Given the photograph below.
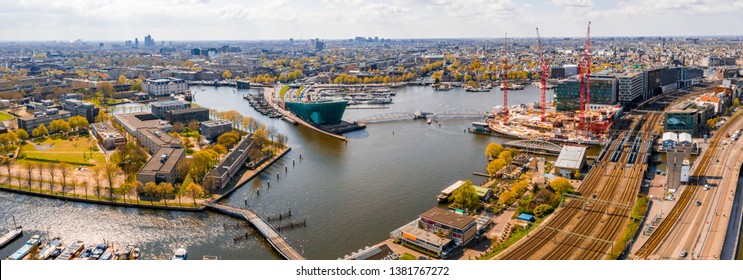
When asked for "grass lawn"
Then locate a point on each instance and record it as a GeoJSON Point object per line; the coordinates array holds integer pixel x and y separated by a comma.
{"type": "Point", "coordinates": [5, 116]}
{"type": "Point", "coordinates": [74, 150]}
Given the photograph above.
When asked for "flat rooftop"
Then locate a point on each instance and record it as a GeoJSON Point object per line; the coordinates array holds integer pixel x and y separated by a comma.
{"type": "Point", "coordinates": [232, 156]}
{"type": "Point", "coordinates": [156, 165]}
{"type": "Point", "coordinates": [447, 217]}
{"type": "Point", "coordinates": [414, 233]}
{"type": "Point", "coordinates": [158, 136]}
{"type": "Point", "coordinates": [136, 121]}
{"type": "Point", "coordinates": [570, 157]}
{"type": "Point", "coordinates": [169, 103]}
{"type": "Point", "coordinates": [216, 123]}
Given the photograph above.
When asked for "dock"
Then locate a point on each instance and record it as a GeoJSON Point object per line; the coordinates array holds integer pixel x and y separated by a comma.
{"type": "Point", "coordinates": [268, 232]}
{"type": "Point", "coordinates": [10, 236]}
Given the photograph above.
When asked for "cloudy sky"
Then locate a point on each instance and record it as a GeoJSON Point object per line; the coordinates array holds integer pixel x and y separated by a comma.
{"type": "Point", "coordinates": [338, 19]}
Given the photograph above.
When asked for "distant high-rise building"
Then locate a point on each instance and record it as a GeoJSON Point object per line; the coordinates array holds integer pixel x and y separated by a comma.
{"type": "Point", "coordinates": [148, 41]}
{"type": "Point", "coordinates": [136, 42]}
{"type": "Point", "coordinates": [128, 43]}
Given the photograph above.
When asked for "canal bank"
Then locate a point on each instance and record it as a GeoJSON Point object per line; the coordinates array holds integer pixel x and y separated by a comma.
{"type": "Point", "coordinates": [351, 193]}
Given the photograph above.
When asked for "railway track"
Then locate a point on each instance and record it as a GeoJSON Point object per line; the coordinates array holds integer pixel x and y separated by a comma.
{"type": "Point", "coordinates": [667, 224]}
{"type": "Point", "coordinates": [579, 240]}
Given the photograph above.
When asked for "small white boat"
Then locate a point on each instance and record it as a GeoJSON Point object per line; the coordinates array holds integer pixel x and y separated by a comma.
{"type": "Point", "coordinates": [180, 254]}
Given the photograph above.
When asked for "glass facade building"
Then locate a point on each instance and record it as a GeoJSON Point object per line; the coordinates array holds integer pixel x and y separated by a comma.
{"type": "Point", "coordinates": [603, 92]}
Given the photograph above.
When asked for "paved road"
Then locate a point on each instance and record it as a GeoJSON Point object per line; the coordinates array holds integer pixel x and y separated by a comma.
{"type": "Point", "coordinates": [700, 230]}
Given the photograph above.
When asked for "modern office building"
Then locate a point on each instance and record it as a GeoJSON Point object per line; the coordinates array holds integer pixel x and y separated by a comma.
{"type": "Point", "coordinates": [603, 93]}
{"type": "Point", "coordinates": [29, 123]}
{"type": "Point", "coordinates": [689, 76]}
{"type": "Point", "coordinates": [164, 86]}
{"type": "Point", "coordinates": [164, 166]}
{"type": "Point", "coordinates": [108, 136]}
{"type": "Point", "coordinates": [631, 87]}
{"type": "Point", "coordinates": [220, 176]}
{"type": "Point", "coordinates": [213, 129]}
{"type": "Point", "coordinates": [161, 108]}
{"type": "Point", "coordinates": [80, 108]}
{"type": "Point", "coordinates": [688, 117]}
{"type": "Point", "coordinates": [185, 116]}
{"type": "Point", "coordinates": [459, 228]}
{"type": "Point", "coordinates": [135, 121]}
{"type": "Point", "coordinates": [154, 139]}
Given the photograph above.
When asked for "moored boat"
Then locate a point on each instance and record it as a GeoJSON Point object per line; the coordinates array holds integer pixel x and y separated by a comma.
{"type": "Point", "coordinates": [49, 248]}
{"type": "Point", "coordinates": [23, 251]}
{"type": "Point", "coordinates": [71, 250]}
{"type": "Point", "coordinates": [180, 254]}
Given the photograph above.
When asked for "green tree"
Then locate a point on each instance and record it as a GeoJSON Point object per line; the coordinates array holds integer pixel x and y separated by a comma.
{"type": "Point", "coordinates": [736, 102]}
{"type": "Point", "coordinates": [110, 171]}
{"type": "Point", "coordinates": [576, 174]}
{"type": "Point", "coordinates": [495, 165]}
{"type": "Point", "coordinates": [201, 163]}
{"type": "Point", "coordinates": [493, 150]}
{"type": "Point", "coordinates": [150, 189]}
{"type": "Point", "coordinates": [466, 197]}
{"type": "Point", "coordinates": [507, 198]}
{"type": "Point", "coordinates": [542, 210]}
{"type": "Point", "coordinates": [561, 185]}
{"type": "Point", "coordinates": [506, 156]}
{"type": "Point", "coordinates": [194, 191]}
{"type": "Point", "coordinates": [40, 131]}
{"type": "Point", "coordinates": [21, 133]}
{"type": "Point", "coordinates": [165, 189]}
{"type": "Point", "coordinates": [407, 257]}
{"type": "Point", "coordinates": [228, 139]}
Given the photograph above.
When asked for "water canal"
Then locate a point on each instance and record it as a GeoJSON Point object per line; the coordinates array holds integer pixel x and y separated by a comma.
{"type": "Point", "coordinates": [351, 193]}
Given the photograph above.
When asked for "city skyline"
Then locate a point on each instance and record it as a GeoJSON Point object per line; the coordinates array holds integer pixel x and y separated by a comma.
{"type": "Point", "coordinates": [178, 20]}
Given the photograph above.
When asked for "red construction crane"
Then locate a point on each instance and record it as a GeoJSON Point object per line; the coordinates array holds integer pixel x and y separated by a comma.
{"type": "Point", "coordinates": [543, 64]}
{"type": "Point", "coordinates": [587, 58]}
{"type": "Point", "coordinates": [505, 81]}
{"type": "Point", "coordinates": [582, 80]}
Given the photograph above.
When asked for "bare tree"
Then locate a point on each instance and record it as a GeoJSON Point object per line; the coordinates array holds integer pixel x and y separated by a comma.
{"type": "Point", "coordinates": [29, 168]}
{"type": "Point", "coordinates": [40, 171]}
{"type": "Point", "coordinates": [73, 185]}
{"type": "Point", "coordinates": [110, 171]}
{"type": "Point", "coordinates": [64, 170]}
{"type": "Point", "coordinates": [97, 172]}
{"type": "Point", "coordinates": [6, 162]}
{"type": "Point", "coordinates": [52, 169]}
{"type": "Point", "coordinates": [18, 176]}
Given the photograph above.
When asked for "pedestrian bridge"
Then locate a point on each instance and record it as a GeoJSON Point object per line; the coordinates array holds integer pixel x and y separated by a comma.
{"type": "Point", "coordinates": [535, 146]}
{"type": "Point", "coordinates": [400, 116]}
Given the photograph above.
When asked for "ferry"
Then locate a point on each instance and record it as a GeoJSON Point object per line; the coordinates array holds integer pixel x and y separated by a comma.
{"type": "Point", "coordinates": [47, 252]}
{"type": "Point", "coordinates": [71, 250]}
{"type": "Point", "coordinates": [180, 254]}
{"type": "Point", "coordinates": [23, 251]}
{"type": "Point", "coordinates": [443, 197]}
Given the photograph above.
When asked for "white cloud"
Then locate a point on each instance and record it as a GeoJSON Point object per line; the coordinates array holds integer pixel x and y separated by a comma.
{"type": "Point", "coordinates": [573, 3]}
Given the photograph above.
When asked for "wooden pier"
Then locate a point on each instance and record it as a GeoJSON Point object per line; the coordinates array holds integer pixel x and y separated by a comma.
{"type": "Point", "coordinates": [268, 232]}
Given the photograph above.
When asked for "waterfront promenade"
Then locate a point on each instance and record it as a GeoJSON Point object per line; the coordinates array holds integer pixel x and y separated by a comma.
{"type": "Point", "coordinates": [266, 230]}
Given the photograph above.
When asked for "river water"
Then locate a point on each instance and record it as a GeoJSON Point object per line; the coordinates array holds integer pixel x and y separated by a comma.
{"type": "Point", "coordinates": [352, 194]}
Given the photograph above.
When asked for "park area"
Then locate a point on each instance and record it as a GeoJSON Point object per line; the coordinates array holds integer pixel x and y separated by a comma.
{"type": "Point", "coordinates": [75, 151]}
{"type": "Point", "coordinates": [5, 116]}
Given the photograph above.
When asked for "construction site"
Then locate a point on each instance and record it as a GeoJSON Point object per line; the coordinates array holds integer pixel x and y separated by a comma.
{"type": "Point", "coordinates": [589, 125]}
